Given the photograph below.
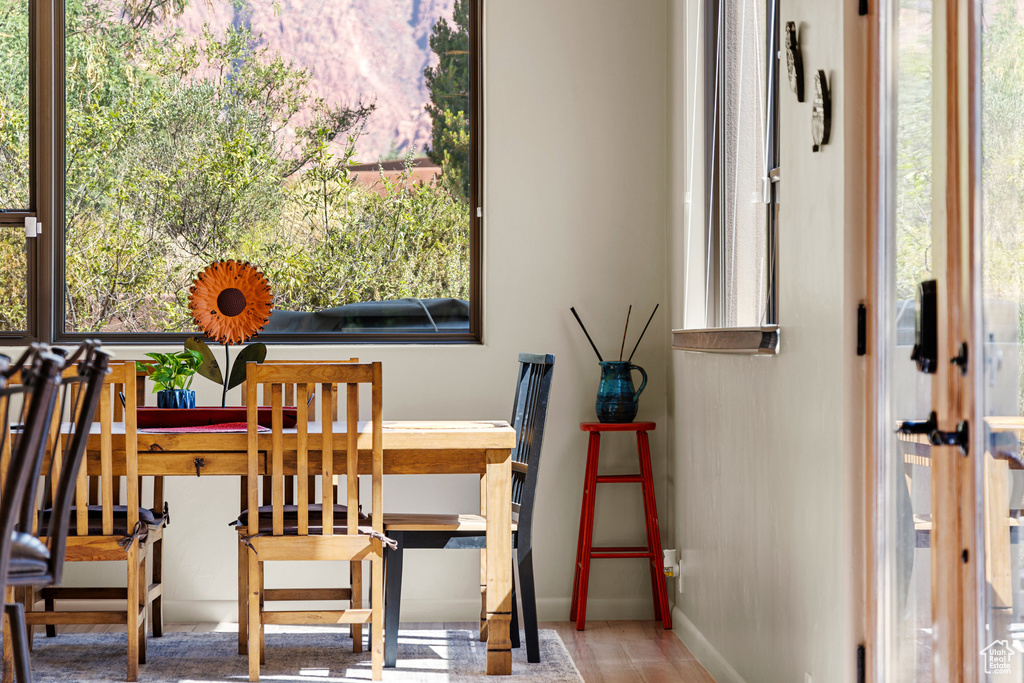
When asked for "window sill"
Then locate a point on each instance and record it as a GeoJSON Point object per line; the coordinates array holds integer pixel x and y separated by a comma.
{"type": "Point", "coordinates": [748, 341]}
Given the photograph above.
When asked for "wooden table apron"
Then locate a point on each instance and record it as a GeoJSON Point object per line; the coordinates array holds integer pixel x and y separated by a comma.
{"type": "Point", "coordinates": [482, 448]}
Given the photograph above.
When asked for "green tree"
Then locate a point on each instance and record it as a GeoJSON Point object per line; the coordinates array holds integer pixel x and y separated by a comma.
{"type": "Point", "coordinates": [184, 149]}
{"type": "Point", "coordinates": [448, 83]}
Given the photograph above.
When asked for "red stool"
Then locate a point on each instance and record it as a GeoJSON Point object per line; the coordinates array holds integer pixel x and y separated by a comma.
{"type": "Point", "coordinates": [584, 547]}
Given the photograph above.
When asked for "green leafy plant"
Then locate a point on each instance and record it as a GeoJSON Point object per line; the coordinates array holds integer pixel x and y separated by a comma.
{"type": "Point", "coordinates": [172, 370]}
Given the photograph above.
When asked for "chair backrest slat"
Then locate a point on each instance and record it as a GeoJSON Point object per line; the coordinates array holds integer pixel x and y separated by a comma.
{"type": "Point", "coordinates": [327, 407]}
{"type": "Point", "coordinates": [106, 462]}
{"type": "Point", "coordinates": [5, 439]}
{"type": "Point", "coordinates": [131, 444]}
{"type": "Point", "coordinates": [377, 486]}
{"type": "Point", "coordinates": [253, 457]}
{"type": "Point", "coordinates": [352, 450]}
{"type": "Point", "coordinates": [82, 502]}
{"type": "Point", "coordinates": [277, 441]}
{"type": "Point", "coordinates": [302, 480]}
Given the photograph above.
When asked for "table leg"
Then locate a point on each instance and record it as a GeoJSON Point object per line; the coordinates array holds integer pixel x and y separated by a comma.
{"type": "Point", "coordinates": [243, 576]}
{"type": "Point", "coordinates": [8, 652]}
{"type": "Point", "coordinates": [499, 561]}
{"type": "Point", "coordinates": [483, 564]}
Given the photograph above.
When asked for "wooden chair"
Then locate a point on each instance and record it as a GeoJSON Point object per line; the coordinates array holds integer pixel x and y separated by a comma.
{"type": "Point", "coordinates": [470, 531]}
{"type": "Point", "coordinates": [26, 408]}
{"type": "Point", "coordinates": [160, 509]}
{"type": "Point", "coordinates": [290, 491]}
{"type": "Point", "coordinates": [314, 529]}
{"type": "Point", "coordinates": [104, 528]}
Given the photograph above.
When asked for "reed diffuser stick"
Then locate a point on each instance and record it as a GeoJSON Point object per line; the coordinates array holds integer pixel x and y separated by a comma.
{"type": "Point", "coordinates": [644, 332]}
{"type": "Point", "coordinates": [623, 346]}
{"type": "Point", "coordinates": [573, 309]}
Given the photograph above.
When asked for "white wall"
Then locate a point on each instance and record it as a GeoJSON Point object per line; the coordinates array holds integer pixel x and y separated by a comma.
{"type": "Point", "coordinates": [575, 165]}
{"type": "Point", "coordinates": [764, 449]}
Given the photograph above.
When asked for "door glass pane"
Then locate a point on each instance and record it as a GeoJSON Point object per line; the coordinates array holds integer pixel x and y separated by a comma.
{"type": "Point", "coordinates": [14, 99]}
{"type": "Point", "coordinates": [13, 279]}
{"type": "Point", "coordinates": [326, 143]}
{"type": "Point", "coordinates": [1000, 469]}
{"type": "Point", "coordinates": [908, 458]}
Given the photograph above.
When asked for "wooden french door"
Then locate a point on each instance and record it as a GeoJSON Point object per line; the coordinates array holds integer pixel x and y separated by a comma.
{"type": "Point", "coordinates": [947, 557]}
{"type": "Point", "coordinates": [928, 555]}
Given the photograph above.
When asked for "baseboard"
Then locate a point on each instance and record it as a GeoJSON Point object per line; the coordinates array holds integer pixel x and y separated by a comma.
{"type": "Point", "coordinates": [704, 651]}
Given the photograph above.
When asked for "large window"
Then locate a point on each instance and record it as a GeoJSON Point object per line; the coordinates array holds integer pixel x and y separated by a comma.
{"type": "Point", "coordinates": [16, 200]}
{"type": "Point", "coordinates": [732, 197]}
{"type": "Point", "coordinates": [335, 146]}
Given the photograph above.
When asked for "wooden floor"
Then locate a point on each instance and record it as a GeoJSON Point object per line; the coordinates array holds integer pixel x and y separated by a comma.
{"type": "Point", "coordinates": [606, 652]}
{"type": "Point", "coordinates": [629, 652]}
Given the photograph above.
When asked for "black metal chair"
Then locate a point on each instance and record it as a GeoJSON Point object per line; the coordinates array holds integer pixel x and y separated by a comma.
{"type": "Point", "coordinates": [470, 531]}
{"type": "Point", "coordinates": [27, 409]}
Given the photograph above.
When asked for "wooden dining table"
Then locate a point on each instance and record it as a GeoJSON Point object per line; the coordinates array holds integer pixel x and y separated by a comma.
{"type": "Point", "coordinates": [481, 448]}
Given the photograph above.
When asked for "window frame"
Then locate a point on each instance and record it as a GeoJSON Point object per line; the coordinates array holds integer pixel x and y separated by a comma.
{"type": "Point", "coordinates": [14, 219]}
{"type": "Point", "coordinates": [45, 253]}
{"type": "Point", "coordinates": [763, 338]}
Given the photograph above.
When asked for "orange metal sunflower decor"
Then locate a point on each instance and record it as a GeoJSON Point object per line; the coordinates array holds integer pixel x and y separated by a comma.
{"type": "Point", "coordinates": [231, 301]}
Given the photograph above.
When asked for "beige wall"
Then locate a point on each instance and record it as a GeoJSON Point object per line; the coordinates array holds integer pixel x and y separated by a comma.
{"type": "Point", "coordinates": [570, 86]}
{"type": "Point", "coordinates": [763, 470]}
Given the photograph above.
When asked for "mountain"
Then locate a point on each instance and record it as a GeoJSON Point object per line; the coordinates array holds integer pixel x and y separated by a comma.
{"type": "Point", "coordinates": [369, 50]}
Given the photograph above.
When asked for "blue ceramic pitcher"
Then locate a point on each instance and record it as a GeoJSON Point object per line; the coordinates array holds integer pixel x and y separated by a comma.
{"type": "Point", "coordinates": [616, 398]}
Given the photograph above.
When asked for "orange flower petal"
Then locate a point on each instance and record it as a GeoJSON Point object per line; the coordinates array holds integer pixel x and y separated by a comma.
{"type": "Point", "coordinates": [230, 301]}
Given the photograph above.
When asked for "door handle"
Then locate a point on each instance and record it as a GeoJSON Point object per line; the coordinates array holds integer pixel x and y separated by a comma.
{"type": "Point", "coordinates": [926, 328]}
{"type": "Point", "coordinates": [960, 437]}
{"type": "Point", "coordinates": [920, 427]}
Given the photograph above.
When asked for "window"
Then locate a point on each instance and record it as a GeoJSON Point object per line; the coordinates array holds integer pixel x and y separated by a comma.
{"type": "Point", "coordinates": [732, 201]}
{"type": "Point", "coordinates": [335, 146]}
{"type": "Point", "coordinates": [16, 199]}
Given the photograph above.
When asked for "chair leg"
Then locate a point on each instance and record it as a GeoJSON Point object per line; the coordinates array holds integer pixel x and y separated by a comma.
{"type": "Point", "coordinates": [28, 599]}
{"type": "Point", "coordinates": [393, 599]}
{"type": "Point", "coordinates": [263, 626]}
{"type": "Point", "coordinates": [156, 608]}
{"type": "Point", "coordinates": [377, 609]}
{"type": "Point", "coordinates": [355, 571]}
{"type": "Point", "coordinates": [528, 596]}
{"type": "Point", "coordinates": [253, 644]}
{"type": "Point", "coordinates": [659, 588]}
{"type": "Point", "coordinates": [140, 631]}
{"type": "Point", "coordinates": [579, 586]}
{"type": "Point", "coordinates": [133, 611]}
{"type": "Point", "coordinates": [513, 629]}
{"type": "Point", "coordinates": [582, 584]}
{"type": "Point", "coordinates": [243, 597]}
{"type": "Point", "coordinates": [19, 639]}
{"type": "Point", "coordinates": [51, 629]}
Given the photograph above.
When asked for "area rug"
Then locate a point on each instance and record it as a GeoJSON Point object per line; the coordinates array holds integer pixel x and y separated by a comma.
{"type": "Point", "coordinates": [425, 656]}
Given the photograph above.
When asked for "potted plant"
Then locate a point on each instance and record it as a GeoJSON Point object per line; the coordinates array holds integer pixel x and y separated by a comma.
{"type": "Point", "coordinates": [172, 375]}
